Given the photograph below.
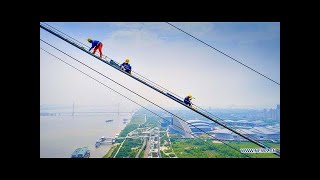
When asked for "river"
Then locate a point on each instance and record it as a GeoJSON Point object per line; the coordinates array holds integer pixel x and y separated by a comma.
{"type": "Point", "coordinates": [61, 135]}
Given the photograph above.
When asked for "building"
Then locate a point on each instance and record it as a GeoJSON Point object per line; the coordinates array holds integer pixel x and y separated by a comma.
{"type": "Point", "coordinates": [200, 126]}
{"type": "Point", "coordinates": [265, 113]}
{"type": "Point", "coordinates": [278, 111]}
{"type": "Point", "coordinates": [272, 114]}
{"type": "Point", "coordinates": [166, 121]}
{"type": "Point", "coordinates": [224, 134]}
{"type": "Point", "coordinates": [249, 133]}
{"type": "Point", "coordinates": [154, 148]}
{"type": "Point", "coordinates": [242, 123]}
{"type": "Point", "coordinates": [258, 133]}
{"type": "Point", "coordinates": [267, 133]}
{"type": "Point", "coordinates": [180, 127]}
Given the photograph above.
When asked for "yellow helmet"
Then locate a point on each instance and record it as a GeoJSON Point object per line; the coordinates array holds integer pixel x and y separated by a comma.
{"type": "Point", "coordinates": [127, 60]}
{"type": "Point", "coordinates": [89, 40]}
{"type": "Point", "coordinates": [190, 96]}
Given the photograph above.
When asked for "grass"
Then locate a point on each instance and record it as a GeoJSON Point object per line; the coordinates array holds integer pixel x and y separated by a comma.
{"type": "Point", "coordinates": [163, 155]}
{"type": "Point", "coordinates": [251, 145]}
{"type": "Point", "coordinates": [111, 150]}
{"type": "Point", "coordinates": [141, 154]}
{"type": "Point", "coordinates": [197, 148]}
{"type": "Point", "coordinates": [136, 120]}
{"type": "Point", "coordinates": [130, 148]}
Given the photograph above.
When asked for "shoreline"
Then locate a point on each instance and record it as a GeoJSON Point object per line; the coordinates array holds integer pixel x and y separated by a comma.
{"type": "Point", "coordinates": [111, 147]}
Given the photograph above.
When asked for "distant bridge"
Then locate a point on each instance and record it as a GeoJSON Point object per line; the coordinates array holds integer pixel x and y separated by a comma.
{"type": "Point", "coordinates": [73, 113]}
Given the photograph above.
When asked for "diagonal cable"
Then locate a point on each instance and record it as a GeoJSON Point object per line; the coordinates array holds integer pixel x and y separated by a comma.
{"type": "Point", "coordinates": [224, 54]}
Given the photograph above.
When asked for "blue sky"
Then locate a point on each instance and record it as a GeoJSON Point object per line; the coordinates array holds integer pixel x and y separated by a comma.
{"type": "Point", "coordinates": [170, 58]}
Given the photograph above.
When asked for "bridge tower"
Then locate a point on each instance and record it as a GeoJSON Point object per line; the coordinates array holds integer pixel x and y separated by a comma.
{"type": "Point", "coordinates": [73, 108]}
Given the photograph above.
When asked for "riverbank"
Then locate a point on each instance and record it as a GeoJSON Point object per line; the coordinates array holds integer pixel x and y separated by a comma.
{"type": "Point", "coordinates": [113, 148]}
{"type": "Point", "coordinates": [111, 151]}
{"type": "Point", "coordinates": [136, 120]}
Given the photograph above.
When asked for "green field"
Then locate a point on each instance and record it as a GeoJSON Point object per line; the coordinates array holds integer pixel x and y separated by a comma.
{"type": "Point", "coordinates": [137, 119]}
{"type": "Point", "coordinates": [198, 148]}
{"type": "Point", "coordinates": [112, 151]}
{"type": "Point", "coordinates": [239, 145]}
{"type": "Point", "coordinates": [130, 148]}
{"type": "Point", "coordinates": [163, 155]}
{"type": "Point", "coordinates": [141, 154]}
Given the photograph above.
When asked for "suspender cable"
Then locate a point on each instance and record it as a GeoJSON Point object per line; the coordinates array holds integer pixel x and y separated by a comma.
{"type": "Point", "coordinates": [140, 104]}
{"type": "Point", "coordinates": [160, 91]}
{"type": "Point", "coordinates": [224, 54]}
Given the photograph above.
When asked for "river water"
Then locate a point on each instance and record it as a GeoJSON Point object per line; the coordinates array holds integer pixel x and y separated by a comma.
{"type": "Point", "coordinates": [61, 135]}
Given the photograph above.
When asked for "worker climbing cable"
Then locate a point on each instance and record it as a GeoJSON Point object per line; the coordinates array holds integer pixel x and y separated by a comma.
{"type": "Point", "coordinates": [96, 45]}
{"type": "Point", "coordinates": [126, 66]}
{"type": "Point", "coordinates": [187, 100]}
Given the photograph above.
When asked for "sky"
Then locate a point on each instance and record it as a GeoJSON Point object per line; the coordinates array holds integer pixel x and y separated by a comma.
{"type": "Point", "coordinates": [168, 57]}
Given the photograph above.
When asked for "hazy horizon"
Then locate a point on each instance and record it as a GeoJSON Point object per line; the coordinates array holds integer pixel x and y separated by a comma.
{"type": "Point", "coordinates": [114, 107]}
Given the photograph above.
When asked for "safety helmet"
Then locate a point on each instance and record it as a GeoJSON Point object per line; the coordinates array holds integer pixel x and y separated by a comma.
{"type": "Point", "coordinates": [127, 60]}
{"type": "Point", "coordinates": [190, 96]}
{"type": "Point", "coordinates": [89, 40]}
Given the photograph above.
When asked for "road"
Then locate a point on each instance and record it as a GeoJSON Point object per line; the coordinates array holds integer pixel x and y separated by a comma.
{"type": "Point", "coordinates": [143, 145]}
{"type": "Point", "coordinates": [171, 144]}
{"type": "Point", "coordinates": [146, 152]}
